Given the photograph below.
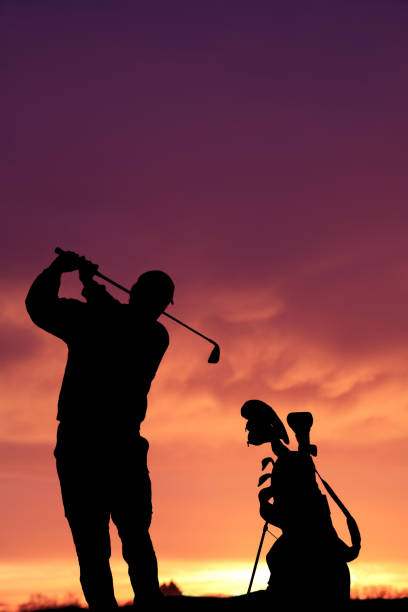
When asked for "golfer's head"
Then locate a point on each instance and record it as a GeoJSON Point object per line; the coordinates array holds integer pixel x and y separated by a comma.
{"type": "Point", "coordinates": [152, 293]}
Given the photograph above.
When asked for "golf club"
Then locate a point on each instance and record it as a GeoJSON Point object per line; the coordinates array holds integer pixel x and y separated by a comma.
{"type": "Point", "coordinates": [215, 353]}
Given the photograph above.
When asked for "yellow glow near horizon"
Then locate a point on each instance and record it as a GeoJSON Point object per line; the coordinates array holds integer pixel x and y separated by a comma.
{"type": "Point", "coordinates": [59, 581]}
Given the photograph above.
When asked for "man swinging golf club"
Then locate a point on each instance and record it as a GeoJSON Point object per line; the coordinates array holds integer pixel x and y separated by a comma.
{"type": "Point", "coordinates": [114, 351]}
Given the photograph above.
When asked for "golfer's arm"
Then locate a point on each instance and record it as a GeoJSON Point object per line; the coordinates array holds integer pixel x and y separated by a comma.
{"type": "Point", "coordinates": [42, 302]}
{"type": "Point", "coordinates": [94, 293]}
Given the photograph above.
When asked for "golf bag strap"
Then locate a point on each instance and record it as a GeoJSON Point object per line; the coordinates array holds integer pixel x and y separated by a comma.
{"type": "Point", "coordinates": [351, 522]}
{"type": "Point", "coordinates": [334, 497]}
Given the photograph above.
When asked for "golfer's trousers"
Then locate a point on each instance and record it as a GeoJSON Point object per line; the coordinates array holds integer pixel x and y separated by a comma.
{"type": "Point", "coordinates": [105, 476]}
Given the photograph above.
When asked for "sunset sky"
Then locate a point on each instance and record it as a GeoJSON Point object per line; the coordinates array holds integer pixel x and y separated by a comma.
{"type": "Point", "coordinates": [257, 152]}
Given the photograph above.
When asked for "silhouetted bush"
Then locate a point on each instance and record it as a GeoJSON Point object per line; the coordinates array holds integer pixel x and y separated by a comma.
{"type": "Point", "coordinates": [170, 590]}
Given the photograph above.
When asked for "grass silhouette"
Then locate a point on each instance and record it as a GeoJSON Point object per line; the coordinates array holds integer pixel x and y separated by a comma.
{"type": "Point", "coordinates": [181, 603]}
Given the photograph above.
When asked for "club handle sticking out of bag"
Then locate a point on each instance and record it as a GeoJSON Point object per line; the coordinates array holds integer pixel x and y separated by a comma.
{"type": "Point", "coordinates": [215, 353]}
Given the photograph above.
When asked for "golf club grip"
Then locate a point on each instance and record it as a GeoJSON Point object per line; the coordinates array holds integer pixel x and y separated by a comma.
{"type": "Point", "coordinates": [59, 251]}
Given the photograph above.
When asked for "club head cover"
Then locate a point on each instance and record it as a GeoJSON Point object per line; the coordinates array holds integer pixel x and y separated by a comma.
{"type": "Point", "coordinates": [301, 423]}
{"type": "Point", "coordinates": [263, 423]}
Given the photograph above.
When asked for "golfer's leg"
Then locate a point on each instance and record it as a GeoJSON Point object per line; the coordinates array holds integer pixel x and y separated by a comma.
{"type": "Point", "coordinates": [138, 552]}
{"type": "Point", "coordinates": [132, 520]}
{"type": "Point", "coordinates": [92, 543]}
{"type": "Point", "coordinates": [132, 514]}
{"type": "Point", "coordinates": [83, 495]}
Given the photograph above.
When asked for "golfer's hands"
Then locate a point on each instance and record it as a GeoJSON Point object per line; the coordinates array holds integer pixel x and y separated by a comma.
{"type": "Point", "coordinates": [87, 269]}
{"type": "Point", "coordinates": [67, 261]}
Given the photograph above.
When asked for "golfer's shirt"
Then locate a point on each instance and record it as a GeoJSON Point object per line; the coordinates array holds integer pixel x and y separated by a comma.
{"type": "Point", "coordinates": [112, 356]}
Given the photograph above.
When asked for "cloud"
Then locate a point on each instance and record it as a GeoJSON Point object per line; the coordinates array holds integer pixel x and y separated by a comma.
{"type": "Point", "coordinates": [19, 341]}
{"type": "Point", "coordinates": [33, 461]}
{"type": "Point", "coordinates": [17, 344]}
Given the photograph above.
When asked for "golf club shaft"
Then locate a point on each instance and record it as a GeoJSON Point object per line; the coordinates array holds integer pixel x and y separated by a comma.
{"type": "Point", "coordinates": [59, 251]}
{"type": "Point", "coordinates": [112, 282]}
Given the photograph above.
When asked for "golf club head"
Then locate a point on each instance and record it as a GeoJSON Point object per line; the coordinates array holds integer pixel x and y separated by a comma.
{"type": "Point", "coordinates": [215, 354]}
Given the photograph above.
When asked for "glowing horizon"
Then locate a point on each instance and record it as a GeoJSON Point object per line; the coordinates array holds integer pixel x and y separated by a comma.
{"type": "Point", "coordinates": [59, 581]}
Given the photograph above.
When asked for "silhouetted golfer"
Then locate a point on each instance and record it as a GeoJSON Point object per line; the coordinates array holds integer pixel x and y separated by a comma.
{"type": "Point", "coordinates": [114, 351]}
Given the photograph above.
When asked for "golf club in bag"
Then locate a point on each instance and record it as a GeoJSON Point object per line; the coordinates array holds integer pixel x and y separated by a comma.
{"type": "Point", "coordinates": [215, 353]}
